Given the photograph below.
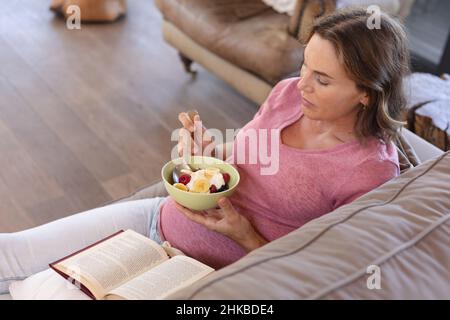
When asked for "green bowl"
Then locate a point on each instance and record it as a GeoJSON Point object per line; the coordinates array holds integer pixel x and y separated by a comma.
{"type": "Point", "coordinates": [199, 201]}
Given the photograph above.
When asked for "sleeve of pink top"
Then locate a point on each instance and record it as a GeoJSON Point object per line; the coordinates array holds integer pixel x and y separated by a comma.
{"type": "Point", "coordinates": [367, 176]}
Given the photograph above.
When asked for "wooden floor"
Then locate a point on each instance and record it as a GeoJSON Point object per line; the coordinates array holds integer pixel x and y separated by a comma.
{"type": "Point", "coordinates": [86, 116]}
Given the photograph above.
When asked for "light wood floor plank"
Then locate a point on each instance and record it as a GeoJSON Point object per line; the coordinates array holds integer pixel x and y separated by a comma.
{"type": "Point", "coordinates": [12, 216]}
{"type": "Point", "coordinates": [90, 150]}
{"type": "Point", "coordinates": [20, 172]}
{"type": "Point", "coordinates": [47, 151]}
{"type": "Point", "coordinates": [97, 106]}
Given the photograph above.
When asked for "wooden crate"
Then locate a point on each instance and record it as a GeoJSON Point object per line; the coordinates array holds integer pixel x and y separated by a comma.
{"type": "Point", "coordinates": [423, 126]}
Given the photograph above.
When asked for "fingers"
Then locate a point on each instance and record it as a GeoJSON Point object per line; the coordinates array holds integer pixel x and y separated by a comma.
{"type": "Point", "coordinates": [196, 131]}
{"type": "Point", "coordinates": [192, 113]}
{"type": "Point", "coordinates": [185, 143]}
{"type": "Point", "coordinates": [226, 205]}
{"type": "Point", "coordinates": [199, 127]}
{"type": "Point", "coordinates": [194, 149]}
{"type": "Point", "coordinates": [187, 147]}
{"type": "Point", "coordinates": [225, 210]}
{"type": "Point", "coordinates": [189, 122]}
{"type": "Point", "coordinates": [215, 213]}
{"type": "Point", "coordinates": [196, 216]}
{"type": "Point", "coordinates": [186, 121]}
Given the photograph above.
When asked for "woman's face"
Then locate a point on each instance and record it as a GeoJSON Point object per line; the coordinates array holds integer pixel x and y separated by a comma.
{"type": "Point", "coordinates": [327, 91]}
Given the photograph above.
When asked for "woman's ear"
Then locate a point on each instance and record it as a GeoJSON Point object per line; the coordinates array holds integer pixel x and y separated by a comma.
{"type": "Point", "coordinates": [364, 99]}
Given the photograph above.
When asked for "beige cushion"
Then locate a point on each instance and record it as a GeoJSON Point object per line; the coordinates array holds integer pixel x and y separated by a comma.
{"type": "Point", "coordinates": [247, 33]}
{"type": "Point", "coordinates": [407, 157]}
{"type": "Point", "coordinates": [46, 285]}
{"type": "Point", "coordinates": [403, 227]}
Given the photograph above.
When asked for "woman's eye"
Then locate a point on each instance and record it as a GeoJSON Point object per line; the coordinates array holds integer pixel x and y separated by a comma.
{"type": "Point", "coordinates": [321, 82]}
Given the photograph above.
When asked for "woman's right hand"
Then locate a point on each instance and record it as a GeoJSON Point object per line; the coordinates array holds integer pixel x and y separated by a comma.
{"type": "Point", "coordinates": [190, 136]}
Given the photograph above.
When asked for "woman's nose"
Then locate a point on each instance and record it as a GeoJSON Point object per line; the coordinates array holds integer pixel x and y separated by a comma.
{"type": "Point", "coordinates": [303, 84]}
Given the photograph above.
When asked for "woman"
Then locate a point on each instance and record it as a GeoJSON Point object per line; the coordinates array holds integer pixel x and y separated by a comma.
{"type": "Point", "coordinates": [336, 123]}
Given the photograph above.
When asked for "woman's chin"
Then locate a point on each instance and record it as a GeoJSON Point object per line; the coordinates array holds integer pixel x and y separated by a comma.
{"type": "Point", "coordinates": [309, 112]}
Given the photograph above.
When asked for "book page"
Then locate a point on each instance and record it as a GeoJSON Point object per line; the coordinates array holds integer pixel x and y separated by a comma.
{"type": "Point", "coordinates": [162, 280]}
{"type": "Point", "coordinates": [113, 262]}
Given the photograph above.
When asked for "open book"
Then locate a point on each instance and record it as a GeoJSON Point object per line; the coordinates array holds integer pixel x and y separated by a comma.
{"type": "Point", "coordinates": [127, 265]}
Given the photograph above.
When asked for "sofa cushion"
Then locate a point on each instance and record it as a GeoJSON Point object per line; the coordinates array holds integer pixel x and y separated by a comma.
{"type": "Point", "coordinates": [246, 33]}
{"type": "Point", "coordinates": [46, 285]}
{"type": "Point", "coordinates": [407, 156]}
{"type": "Point", "coordinates": [402, 227]}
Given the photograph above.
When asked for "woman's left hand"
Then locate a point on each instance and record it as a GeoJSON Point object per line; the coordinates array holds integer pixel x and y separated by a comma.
{"type": "Point", "coordinates": [228, 222]}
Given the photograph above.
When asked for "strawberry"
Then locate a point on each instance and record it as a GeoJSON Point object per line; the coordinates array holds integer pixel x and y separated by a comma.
{"type": "Point", "coordinates": [213, 189]}
{"type": "Point", "coordinates": [226, 177]}
{"type": "Point", "coordinates": [184, 179]}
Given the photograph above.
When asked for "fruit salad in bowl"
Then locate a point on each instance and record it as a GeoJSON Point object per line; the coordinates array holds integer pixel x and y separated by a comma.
{"type": "Point", "coordinates": [209, 180]}
{"type": "Point", "coordinates": [202, 183]}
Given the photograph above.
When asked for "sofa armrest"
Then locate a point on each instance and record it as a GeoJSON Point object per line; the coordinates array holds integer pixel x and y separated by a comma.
{"type": "Point", "coordinates": [306, 11]}
{"type": "Point", "coordinates": [294, 22]}
{"type": "Point", "coordinates": [424, 150]}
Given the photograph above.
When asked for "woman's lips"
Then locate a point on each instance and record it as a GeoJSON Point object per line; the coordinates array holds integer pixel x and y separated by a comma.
{"type": "Point", "coordinates": [307, 103]}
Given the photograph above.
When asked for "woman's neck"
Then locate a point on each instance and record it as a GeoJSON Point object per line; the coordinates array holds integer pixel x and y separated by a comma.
{"type": "Point", "coordinates": [341, 129]}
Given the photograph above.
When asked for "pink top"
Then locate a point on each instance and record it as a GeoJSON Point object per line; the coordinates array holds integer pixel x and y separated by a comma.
{"type": "Point", "coordinates": [307, 184]}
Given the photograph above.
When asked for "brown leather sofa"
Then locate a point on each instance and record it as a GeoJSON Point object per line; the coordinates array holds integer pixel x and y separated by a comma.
{"type": "Point", "coordinates": [91, 10]}
{"type": "Point", "coordinates": [246, 43]}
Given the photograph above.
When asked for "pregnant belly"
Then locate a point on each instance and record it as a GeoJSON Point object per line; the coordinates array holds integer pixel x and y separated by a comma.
{"type": "Point", "coordinates": [197, 241]}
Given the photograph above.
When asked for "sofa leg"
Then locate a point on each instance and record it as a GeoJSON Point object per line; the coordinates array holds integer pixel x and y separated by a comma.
{"type": "Point", "coordinates": [187, 63]}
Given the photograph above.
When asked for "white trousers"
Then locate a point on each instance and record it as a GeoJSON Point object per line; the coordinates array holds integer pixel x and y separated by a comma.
{"type": "Point", "coordinates": [27, 252]}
